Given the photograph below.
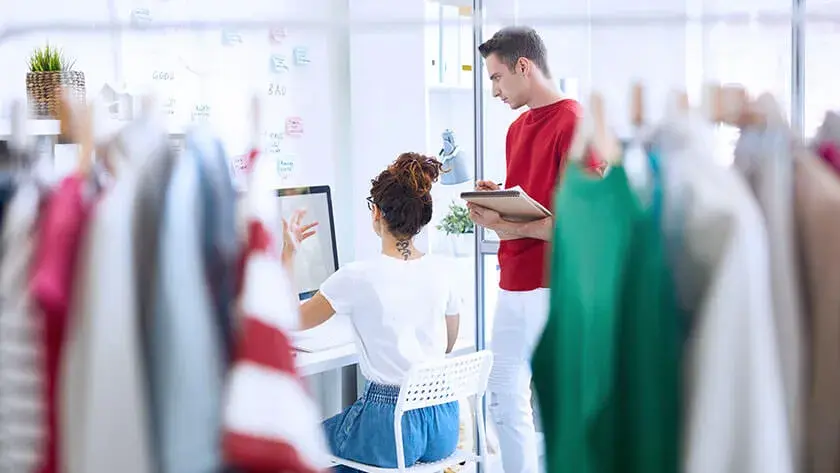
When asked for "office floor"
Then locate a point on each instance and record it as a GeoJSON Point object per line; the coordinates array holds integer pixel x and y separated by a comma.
{"type": "Point", "coordinates": [495, 460]}
{"type": "Point", "coordinates": [495, 466]}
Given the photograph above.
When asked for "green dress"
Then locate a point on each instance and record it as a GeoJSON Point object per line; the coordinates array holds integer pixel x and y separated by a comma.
{"type": "Point", "coordinates": [606, 369]}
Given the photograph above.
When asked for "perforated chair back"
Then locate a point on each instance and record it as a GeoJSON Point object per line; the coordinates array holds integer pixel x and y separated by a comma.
{"type": "Point", "coordinates": [440, 382]}
{"type": "Point", "coordinates": [433, 384]}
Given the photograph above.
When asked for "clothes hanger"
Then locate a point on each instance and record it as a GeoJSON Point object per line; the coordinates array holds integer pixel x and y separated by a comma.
{"type": "Point", "coordinates": [18, 143]}
{"type": "Point", "coordinates": [682, 101]}
{"type": "Point", "coordinates": [256, 116]}
{"type": "Point", "coordinates": [593, 134]}
{"type": "Point", "coordinates": [736, 108]}
{"type": "Point", "coordinates": [76, 124]}
{"type": "Point", "coordinates": [637, 106]}
{"type": "Point", "coordinates": [711, 103]}
{"type": "Point", "coordinates": [18, 136]}
{"type": "Point", "coordinates": [604, 140]}
{"type": "Point", "coordinates": [636, 160]}
{"type": "Point", "coordinates": [253, 176]}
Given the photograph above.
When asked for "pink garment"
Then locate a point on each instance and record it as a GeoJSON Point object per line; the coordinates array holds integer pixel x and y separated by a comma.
{"type": "Point", "coordinates": [61, 230]}
{"type": "Point", "coordinates": [830, 153]}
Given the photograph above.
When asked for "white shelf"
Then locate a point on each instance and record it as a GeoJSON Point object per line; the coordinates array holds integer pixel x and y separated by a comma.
{"type": "Point", "coordinates": [32, 127]}
{"type": "Point", "coordinates": [53, 127]}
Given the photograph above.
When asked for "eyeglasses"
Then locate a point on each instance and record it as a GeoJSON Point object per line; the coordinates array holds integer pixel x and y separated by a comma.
{"type": "Point", "coordinates": [370, 203]}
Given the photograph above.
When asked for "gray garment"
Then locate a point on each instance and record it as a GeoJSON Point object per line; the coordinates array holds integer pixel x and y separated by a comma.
{"type": "Point", "coordinates": [153, 178]}
{"type": "Point", "coordinates": [187, 352]}
{"type": "Point", "coordinates": [765, 159]}
{"type": "Point", "coordinates": [220, 245]}
{"type": "Point", "coordinates": [152, 185]}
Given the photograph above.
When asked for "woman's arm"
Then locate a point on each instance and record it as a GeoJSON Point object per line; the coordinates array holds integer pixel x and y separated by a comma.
{"type": "Point", "coordinates": [452, 323]}
{"type": "Point", "coordinates": [315, 311]}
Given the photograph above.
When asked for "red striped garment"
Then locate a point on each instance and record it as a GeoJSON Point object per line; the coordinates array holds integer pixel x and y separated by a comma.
{"type": "Point", "coordinates": [270, 422]}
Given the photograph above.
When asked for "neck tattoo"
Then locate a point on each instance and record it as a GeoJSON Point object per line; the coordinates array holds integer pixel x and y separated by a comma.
{"type": "Point", "coordinates": [403, 248]}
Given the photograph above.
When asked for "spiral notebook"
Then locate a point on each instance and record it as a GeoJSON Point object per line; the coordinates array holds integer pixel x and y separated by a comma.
{"type": "Point", "coordinates": [513, 204]}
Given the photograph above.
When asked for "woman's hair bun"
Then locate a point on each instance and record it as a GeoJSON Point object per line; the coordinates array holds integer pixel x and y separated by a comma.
{"type": "Point", "coordinates": [402, 192]}
{"type": "Point", "coordinates": [416, 172]}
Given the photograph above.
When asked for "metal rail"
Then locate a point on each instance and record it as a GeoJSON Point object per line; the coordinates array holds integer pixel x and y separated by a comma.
{"type": "Point", "coordinates": [386, 25]}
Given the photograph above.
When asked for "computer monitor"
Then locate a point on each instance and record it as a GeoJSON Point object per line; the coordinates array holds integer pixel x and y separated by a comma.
{"type": "Point", "coordinates": [317, 257]}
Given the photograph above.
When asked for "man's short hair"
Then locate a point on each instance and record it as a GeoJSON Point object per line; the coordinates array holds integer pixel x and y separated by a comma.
{"type": "Point", "coordinates": [513, 42]}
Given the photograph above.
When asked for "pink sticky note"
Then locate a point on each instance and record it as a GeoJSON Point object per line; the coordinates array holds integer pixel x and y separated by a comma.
{"type": "Point", "coordinates": [294, 126]}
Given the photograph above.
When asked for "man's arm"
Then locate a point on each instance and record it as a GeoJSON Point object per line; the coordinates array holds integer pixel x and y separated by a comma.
{"type": "Point", "coordinates": [542, 229]}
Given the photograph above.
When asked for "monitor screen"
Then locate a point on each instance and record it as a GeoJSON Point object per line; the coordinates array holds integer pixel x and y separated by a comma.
{"type": "Point", "coordinates": [317, 257]}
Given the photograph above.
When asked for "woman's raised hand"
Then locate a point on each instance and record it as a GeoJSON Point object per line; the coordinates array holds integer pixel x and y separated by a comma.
{"type": "Point", "coordinates": [294, 232]}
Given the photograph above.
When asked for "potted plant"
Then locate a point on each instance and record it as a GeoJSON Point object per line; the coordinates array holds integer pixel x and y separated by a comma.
{"type": "Point", "coordinates": [458, 228]}
{"type": "Point", "coordinates": [50, 71]}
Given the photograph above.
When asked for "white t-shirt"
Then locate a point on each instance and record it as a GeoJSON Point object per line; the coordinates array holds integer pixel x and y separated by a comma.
{"type": "Point", "coordinates": [398, 309]}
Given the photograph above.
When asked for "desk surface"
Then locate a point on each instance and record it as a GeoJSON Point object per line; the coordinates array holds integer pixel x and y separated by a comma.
{"type": "Point", "coordinates": [309, 364]}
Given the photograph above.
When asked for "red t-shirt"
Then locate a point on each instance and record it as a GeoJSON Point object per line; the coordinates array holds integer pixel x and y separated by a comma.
{"type": "Point", "coordinates": [537, 143]}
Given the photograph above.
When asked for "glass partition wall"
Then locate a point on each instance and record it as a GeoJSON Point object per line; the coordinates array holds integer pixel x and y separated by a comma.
{"type": "Point", "coordinates": [667, 46]}
{"type": "Point", "coordinates": [606, 46]}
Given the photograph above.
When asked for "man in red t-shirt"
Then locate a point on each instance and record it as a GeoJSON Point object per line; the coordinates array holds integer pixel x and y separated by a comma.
{"type": "Point", "coordinates": [537, 142]}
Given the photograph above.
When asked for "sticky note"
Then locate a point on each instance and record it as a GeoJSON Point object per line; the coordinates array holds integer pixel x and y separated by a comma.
{"type": "Point", "coordinates": [278, 63]}
{"type": "Point", "coordinates": [277, 35]}
{"type": "Point", "coordinates": [200, 112]}
{"type": "Point", "coordinates": [231, 38]}
{"type": "Point", "coordinates": [141, 16]}
{"type": "Point", "coordinates": [301, 55]}
{"type": "Point", "coordinates": [294, 126]}
{"type": "Point", "coordinates": [285, 167]}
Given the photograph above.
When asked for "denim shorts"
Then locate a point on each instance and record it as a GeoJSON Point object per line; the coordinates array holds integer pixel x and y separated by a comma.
{"type": "Point", "coordinates": [364, 432]}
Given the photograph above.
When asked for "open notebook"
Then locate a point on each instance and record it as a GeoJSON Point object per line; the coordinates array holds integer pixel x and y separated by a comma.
{"type": "Point", "coordinates": [333, 333]}
{"type": "Point", "coordinates": [513, 204]}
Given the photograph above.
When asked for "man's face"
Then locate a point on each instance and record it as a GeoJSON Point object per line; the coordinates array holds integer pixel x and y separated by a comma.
{"type": "Point", "coordinates": [510, 86]}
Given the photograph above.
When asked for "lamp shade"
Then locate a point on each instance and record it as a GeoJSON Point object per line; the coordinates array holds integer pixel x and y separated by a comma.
{"type": "Point", "coordinates": [456, 169]}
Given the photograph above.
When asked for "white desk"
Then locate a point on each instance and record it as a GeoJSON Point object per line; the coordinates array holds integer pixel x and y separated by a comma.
{"type": "Point", "coordinates": [309, 364]}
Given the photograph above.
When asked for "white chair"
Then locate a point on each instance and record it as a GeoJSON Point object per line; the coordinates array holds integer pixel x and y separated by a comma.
{"type": "Point", "coordinates": [433, 384]}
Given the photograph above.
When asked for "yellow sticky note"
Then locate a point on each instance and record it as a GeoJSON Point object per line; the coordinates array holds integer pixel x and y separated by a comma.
{"type": "Point", "coordinates": [464, 11]}
{"type": "Point", "coordinates": [466, 67]}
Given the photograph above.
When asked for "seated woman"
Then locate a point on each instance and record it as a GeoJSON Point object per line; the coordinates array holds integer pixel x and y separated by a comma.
{"type": "Point", "coordinates": [404, 312]}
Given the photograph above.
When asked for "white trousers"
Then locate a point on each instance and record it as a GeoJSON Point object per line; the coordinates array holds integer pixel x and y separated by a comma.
{"type": "Point", "coordinates": [517, 327]}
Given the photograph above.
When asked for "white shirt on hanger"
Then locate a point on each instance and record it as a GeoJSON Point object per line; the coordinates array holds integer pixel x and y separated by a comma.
{"type": "Point", "coordinates": [735, 413]}
{"type": "Point", "coordinates": [765, 158]}
{"type": "Point", "coordinates": [103, 390]}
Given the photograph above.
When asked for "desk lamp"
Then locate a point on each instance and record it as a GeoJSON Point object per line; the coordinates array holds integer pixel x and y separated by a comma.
{"type": "Point", "coordinates": [455, 166]}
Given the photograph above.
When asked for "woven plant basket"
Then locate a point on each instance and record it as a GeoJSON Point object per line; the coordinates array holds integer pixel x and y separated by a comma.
{"type": "Point", "coordinates": [43, 90]}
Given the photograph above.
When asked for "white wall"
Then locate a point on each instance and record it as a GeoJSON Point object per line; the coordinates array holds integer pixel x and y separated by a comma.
{"type": "Point", "coordinates": [388, 102]}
